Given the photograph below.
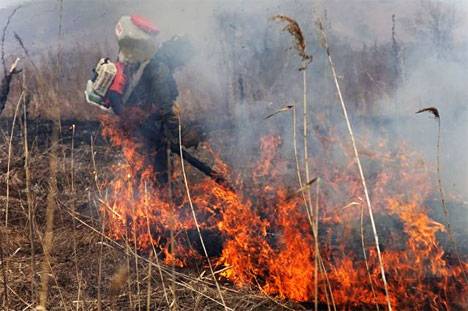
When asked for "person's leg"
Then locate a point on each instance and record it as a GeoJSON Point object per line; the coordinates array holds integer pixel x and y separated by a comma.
{"type": "Point", "coordinates": [161, 166]}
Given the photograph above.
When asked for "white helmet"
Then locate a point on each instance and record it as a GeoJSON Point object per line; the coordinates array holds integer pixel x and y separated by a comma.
{"type": "Point", "coordinates": [135, 35]}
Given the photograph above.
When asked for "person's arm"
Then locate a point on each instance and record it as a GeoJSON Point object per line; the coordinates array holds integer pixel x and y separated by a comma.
{"type": "Point", "coordinates": [116, 91]}
{"type": "Point", "coordinates": [115, 101]}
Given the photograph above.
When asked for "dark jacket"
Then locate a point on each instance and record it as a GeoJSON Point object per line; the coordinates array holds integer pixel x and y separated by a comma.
{"type": "Point", "coordinates": [157, 90]}
{"type": "Point", "coordinates": [155, 93]}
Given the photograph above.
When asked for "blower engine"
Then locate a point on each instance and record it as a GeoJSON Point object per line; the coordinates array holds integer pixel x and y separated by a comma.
{"type": "Point", "coordinates": [97, 87]}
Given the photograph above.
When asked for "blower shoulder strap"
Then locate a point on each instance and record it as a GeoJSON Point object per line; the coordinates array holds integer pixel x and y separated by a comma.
{"type": "Point", "coordinates": [134, 80]}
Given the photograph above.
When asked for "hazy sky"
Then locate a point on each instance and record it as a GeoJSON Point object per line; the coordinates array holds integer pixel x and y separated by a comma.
{"type": "Point", "coordinates": [5, 3]}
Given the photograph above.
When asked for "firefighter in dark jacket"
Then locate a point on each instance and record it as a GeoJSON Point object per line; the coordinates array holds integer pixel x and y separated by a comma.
{"type": "Point", "coordinates": [143, 77]}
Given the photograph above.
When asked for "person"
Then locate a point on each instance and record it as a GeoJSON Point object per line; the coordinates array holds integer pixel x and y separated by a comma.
{"type": "Point", "coordinates": [143, 78]}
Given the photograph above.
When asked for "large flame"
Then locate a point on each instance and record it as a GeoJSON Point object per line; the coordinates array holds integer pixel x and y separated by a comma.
{"type": "Point", "coordinates": [267, 238]}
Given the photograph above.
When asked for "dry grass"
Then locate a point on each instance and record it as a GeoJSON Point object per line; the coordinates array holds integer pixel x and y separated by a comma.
{"type": "Point", "coordinates": [88, 270]}
{"type": "Point", "coordinates": [194, 291]}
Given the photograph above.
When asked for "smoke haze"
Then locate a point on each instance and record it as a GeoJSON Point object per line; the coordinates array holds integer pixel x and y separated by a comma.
{"type": "Point", "coordinates": [236, 43]}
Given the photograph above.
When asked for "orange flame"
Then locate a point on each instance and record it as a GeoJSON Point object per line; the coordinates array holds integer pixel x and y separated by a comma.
{"type": "Point", "coordinates": [267, 237]}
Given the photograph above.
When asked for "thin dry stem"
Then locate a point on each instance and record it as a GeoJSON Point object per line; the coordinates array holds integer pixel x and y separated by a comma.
{"type": "Point", "coordinates": [128, 250]}
{"type": "Point", "coordinates": [317, 196]}
{"type": "Point", "coordinates": [436, 114]}
{"type": "Point", "coordinates": [308, 210]}
{"type": "Point", "coordinates": [10, 150]}
{"type": "Point", "coordinates": [51, 207]}
{"type": "Point", "coordinates": [173, 305]}
{"type": "Point", "coordinates": [5, 236]}
{"type": "Point", "coordinates": [358, 162]}
{"type": "Point", "coordinates": [4, 32]}
{"type": "Point", "coordinates": [99, 276]}
{"type": "Point", "coordinates": [4, 274]}
{"type": "Point", "coordinates": [365, 258]}
{"type": "Point", "coordinates": [137, 271]}
{"type": "Point", "coordinates": [148, 285]}
{"type": "Point", "coordinates": [154, 248]}
{"type": "Point", "coordinates": [29, 199]}
{"type": "Point", "coordinates": [73, 193]}
{"type": "Point", "coordinates": [195, 217]}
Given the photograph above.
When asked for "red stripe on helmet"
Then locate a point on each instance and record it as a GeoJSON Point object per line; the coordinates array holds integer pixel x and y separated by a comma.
{"type": "Point", "coordinates": [144, 24]}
